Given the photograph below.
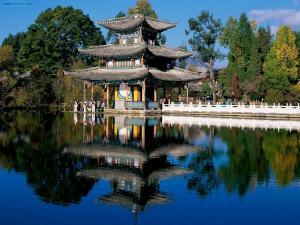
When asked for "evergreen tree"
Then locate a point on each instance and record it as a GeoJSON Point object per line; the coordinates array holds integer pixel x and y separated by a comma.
{"type": "Point", "coordinates": [15, 42]}
{"type": "Point", "coordinates": [248, 48]}
{"type": "Point", "coordinates": [264, 38]}
{"type": "Point", "coordinates": [6, 57]}
{"type": "Point", "coordinates": [143, 7]}
{"type": "Point", "coordinates": [182, 62]}
{"type": "Point", "coordinates": [244, 43]}
{"type": "Point", "coordinates": [283, 56]}
{"type": "Point", "coordinates": [238, 37]}
{"type": "Point", "coordinates": [204, 32]}
{"type": "Point", "coordinates": [254, 67]}
{"type": "Point", "coordinates": [53, 39]}
{"type": "Point", "coordinates": [281, 65]}
{"type": "Point", "coordinates": [297, 34]}
{"type": "Point", "coordinates": [7, 82]}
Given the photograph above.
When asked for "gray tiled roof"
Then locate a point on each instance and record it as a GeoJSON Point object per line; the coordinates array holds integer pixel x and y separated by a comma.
{"type": "Point", "coordinates": [167, 52]}
{"type": "Point", "coordinates": [106, 74]}
{"type": "Point", "coordinates": [123, 51]}
{"type": "Point", "coordinates": [133, 203]}
{"type": "Point", "coordinates": [109, 74]}
{"type": "Point", "coordinates": [113, 51]}
{"type": "Point", "coordinates": [175, 74]}
{"type": "Point", "coordinates": [112, 174]}
{"type": "Point", "coordinates": [95, 151]}
{"type": "Point", "coordinates": [130, 23]}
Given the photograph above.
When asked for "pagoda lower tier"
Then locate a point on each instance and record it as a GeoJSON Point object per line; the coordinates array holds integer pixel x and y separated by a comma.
{"type": "Point", "coordinates": [135, 87]}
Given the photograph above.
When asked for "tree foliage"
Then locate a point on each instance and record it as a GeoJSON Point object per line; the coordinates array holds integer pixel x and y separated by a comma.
{"type": "Point", "coordinates": [48, 46]}
{"type": "Point", "coordinates": [111, 36]}
{"type": "Point", "coordinates": [283, 56]}
{"type": "Point", "coordinates": [248, 47]}
{"type": "Point", "coordinates": [238, 36]}
{"type": "Point", "coordinates": [53, 39]}
{"type": "Point", "coordinates": [281, 65]}
{"type": "Point", "coordinates": [143, 7]}
{"type": "Point", "coordinates": [6, 57]}
{"type": "Point", "coordinates": [204, 32]}
{"type": "Point", "coordinates": [15, 42]}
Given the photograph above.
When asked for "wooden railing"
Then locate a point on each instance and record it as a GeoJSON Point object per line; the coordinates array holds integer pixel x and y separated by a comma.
{"type": "Point", "coordinates": [232, 109]}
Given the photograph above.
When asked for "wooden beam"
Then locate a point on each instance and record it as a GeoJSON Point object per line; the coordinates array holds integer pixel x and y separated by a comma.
{"type": "Point", "coordinates": [84, 96]}
{"type": "Point", "coordinates": [107, 96]}
{"type": "Point", "coordinates": [106, 121]}
{"type": "Point", "coordinates": [179, 94]}
{"type": "Point", "coordinates": [144, 91]}
{"type": "Point", "coordinates": [92, 92]}
{"type": "Point", "coordinates": [143, 137]}
{"type": "Point", "coordinates": [187, 94]}
{"type": "Point", "coordinates": [127, 87]}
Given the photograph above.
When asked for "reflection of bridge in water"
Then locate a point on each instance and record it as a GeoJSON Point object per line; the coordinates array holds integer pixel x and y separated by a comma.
{"type": "Point", "coordinates": [287, 124]}
{"type": "Point", "coordinates": [232, 122]}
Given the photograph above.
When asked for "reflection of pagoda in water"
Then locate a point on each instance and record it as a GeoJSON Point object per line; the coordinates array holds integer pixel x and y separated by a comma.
{"type": "Point", "coordinates": [132, 156]}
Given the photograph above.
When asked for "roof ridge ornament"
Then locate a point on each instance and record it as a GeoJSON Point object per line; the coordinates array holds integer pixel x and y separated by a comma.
{"type": "Point", "coordinates": [137, 10]}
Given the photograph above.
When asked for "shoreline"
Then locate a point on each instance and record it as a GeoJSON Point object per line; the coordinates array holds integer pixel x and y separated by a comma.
{"type": "Point", "coordinates": [160, 112]}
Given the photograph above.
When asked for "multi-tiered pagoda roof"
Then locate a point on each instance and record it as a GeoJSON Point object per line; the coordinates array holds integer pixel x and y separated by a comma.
{"type": "Point", "coordinates": [136, 64]}
{"type": "Point", "coordinates": [143, 48]}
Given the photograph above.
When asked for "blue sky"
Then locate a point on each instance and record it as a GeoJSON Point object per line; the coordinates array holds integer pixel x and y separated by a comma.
{"type": "Point", "coordinates": [16, 16]}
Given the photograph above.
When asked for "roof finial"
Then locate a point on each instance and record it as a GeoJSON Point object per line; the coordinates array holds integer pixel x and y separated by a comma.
{"type": "Point", "coordinates": [137, 11]}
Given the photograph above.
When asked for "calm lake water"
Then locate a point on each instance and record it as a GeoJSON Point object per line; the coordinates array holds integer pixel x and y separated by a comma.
{"type": "Point", "coordinates": [61, 168]}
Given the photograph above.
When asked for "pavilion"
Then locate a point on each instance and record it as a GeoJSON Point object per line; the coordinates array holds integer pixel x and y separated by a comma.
{"type": "Point", "coordinates": [136, 66]}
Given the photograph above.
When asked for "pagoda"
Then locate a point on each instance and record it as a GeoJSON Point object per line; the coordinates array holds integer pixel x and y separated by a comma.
{"type": "Point", "coordinates": [136, 65]}
{"type": "Point", "coordinates": [133, 158]}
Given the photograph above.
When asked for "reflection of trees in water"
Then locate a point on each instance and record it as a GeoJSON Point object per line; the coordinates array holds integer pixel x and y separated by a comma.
{"type": "Point", "coordinates": [205, 178]}
{"type": "Point", "coordinates": [251, 154]}
{"type": "Point", "coordinates": [32, 144]}
{"type": "Point", "coordinates": [246, 160]}
{"type": "Point", "coordinates": [54, 176]}
{"type": "Point", "coordinates": [282, 151]}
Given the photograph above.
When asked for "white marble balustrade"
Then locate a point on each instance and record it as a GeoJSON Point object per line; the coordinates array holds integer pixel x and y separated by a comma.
{"type": "Point", "coordinates": [234, 109]}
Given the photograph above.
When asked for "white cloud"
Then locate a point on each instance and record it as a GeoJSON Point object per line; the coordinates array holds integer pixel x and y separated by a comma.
{"type": "Point", "coordinates": [277, 17]}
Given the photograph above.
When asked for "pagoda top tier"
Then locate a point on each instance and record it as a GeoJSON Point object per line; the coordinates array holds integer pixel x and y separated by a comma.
{"type": "Point", "coordinates": [130, 24]}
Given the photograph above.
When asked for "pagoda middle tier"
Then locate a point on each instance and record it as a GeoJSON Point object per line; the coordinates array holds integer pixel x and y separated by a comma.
{"type": "Point", "coordinates": [115, 52]}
